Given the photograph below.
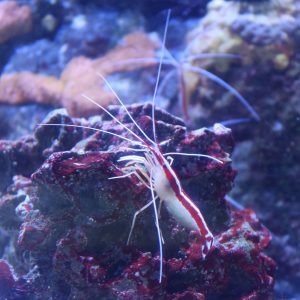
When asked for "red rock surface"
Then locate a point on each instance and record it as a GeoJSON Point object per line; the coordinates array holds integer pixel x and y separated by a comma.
{"type": "Point", "coordinates": [75, 220]}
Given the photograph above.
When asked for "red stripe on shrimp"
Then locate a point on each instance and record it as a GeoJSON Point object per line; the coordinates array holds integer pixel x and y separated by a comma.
{"type": "Point", "coordinates": [187, 203]}
{"type": "Point", "coordinates": [183, 197]}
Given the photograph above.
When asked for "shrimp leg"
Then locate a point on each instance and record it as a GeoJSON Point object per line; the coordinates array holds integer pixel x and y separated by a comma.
{"type": "Point", "coordinates": [158, 229]}
{"type": "Point", "coordinates": [135, 216]}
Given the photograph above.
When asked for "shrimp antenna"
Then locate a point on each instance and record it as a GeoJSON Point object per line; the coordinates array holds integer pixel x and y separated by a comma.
{"type": "Point", "coordinates": [159, 71]}
{"type": "Point", "coordinates": [194, 155]}
{"type": "Point", "coordinates": [226, 86]}
{"type": "Point", "coordinates": [123, 105]}
{"type": "Point", "coordinates": [234, 203]}
{"type": "Point", "coordinates": [94, 129]}
{"type": "Point", "coordinates": [238, 121]}
{"type": "Point", "coordinates": [112, 116]}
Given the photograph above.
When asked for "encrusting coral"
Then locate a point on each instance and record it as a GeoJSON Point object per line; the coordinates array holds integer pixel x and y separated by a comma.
{"type": "Point", "coordinates": [72, 221]}
{"type": "Point", "coordinates": [79, 76]}
{"type": "Point", "coordinates": [14, 20]}
{"type": "Point", "coordinates": [23, 87]}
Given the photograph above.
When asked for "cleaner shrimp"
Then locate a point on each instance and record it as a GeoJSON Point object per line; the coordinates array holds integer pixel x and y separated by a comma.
{"type": "Point", "coordinates": [153, 170]}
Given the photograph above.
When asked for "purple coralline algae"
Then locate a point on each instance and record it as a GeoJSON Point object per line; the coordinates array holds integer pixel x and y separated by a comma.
{"type": "Point", "coordinates": [67, 223]}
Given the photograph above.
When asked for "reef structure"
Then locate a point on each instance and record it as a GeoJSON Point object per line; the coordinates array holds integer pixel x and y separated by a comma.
{"type": "Point", "coordinates": [266, 37]}
{"type": "Point", "coordinates": [66, 223]}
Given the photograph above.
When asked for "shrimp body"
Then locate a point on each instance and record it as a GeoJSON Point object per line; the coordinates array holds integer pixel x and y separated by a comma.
{"type": "Point", "coordinates": [156, 169]}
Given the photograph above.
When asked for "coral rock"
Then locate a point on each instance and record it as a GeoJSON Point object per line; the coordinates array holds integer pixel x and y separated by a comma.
{"type": "Point", "coordinates": [263, 34]}
{"type": "Point", "coordinates": [23, 156]}
{"type": "Point", "coordinates": [76, 228]}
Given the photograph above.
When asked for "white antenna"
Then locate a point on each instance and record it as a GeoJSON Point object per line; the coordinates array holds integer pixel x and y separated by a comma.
{"type": "Point", "coordinates": [124, 106]}
{"type": "Point", "coordinates": [159, 71]}
{"type": "Point", "coordinates": [111, 115]}
{"type": "Point", "coordinates": [94, 129]}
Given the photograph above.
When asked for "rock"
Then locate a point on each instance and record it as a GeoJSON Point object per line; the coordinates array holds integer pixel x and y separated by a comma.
{"type": "Point", "coordinates": [78, 220]}
{"type": "Point", "coordinates": [41, 57]}
{"type": "Point", "coordinates": [23, 156]}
